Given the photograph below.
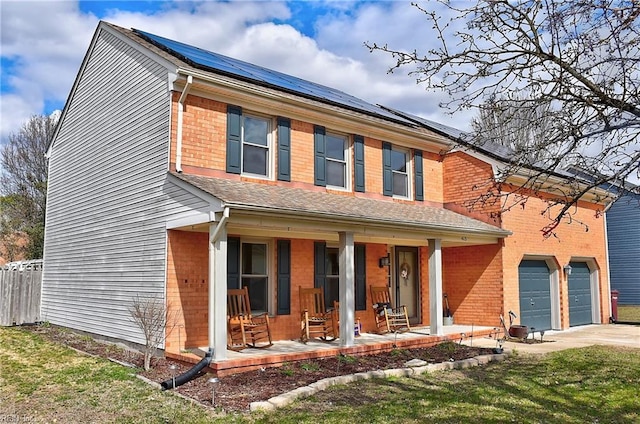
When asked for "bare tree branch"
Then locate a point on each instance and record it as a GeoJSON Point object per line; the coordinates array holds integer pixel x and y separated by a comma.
{"type": "Point", "coordinates": [23, 186]}
{"type": "Point", "coordinates": [578, 63]}
{"type": "Point", "coordinates": [156, 321]}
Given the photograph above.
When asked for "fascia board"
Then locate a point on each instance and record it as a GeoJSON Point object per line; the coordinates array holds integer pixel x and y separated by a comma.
{"type": "Point", "coordinates": [104, 27]}
{"type": "Point", "coordinates": [265, 100]}
{"type": "Point", "coordinates": [522, 176]}
{"type": "Point", "coordinates": [595, 194]}
{"type": "Point", "coordinates": [215, 204]}
{"type": "Point", "coordinates": [496, 165]}
{"type": "Point", "coordinates": [345, 222]}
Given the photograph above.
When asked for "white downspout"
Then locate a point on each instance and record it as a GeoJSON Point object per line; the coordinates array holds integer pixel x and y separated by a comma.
{"type": "Point", "coordinates": [183, 97]}
{"type": "Point", "coordinates": [606, 251]}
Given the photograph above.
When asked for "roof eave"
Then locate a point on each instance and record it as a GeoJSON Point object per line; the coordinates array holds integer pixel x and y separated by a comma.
{"type": "Point", "coordinates": [595, 194]}
{"type": "Point", "coordinates": [264, 99]}
{"type": "Point", "coordinates": [382, 223]}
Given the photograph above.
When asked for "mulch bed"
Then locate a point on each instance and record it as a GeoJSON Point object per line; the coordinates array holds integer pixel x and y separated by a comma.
{"type": "Point", "coordinates": [234, 393]}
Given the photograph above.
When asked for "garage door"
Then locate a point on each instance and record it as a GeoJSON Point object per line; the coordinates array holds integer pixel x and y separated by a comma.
{"type": "Point", "coordinates": [579, 294]}
{"type": "Point", "coordinates": [535, 295]}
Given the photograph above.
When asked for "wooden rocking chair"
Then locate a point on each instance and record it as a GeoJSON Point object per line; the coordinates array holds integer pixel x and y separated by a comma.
{"type": "Point", "coordinates": [315, 320]}
{"type": "Point", "coordinates": [243, 328]}
{"type": "Point", "coordinates": [388, 319]}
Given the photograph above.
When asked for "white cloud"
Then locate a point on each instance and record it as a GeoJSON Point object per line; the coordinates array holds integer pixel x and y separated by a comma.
{"type": "Point", "coordinates": [48, 47]}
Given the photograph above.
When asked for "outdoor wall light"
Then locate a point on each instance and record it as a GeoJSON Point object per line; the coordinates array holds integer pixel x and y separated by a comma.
{"type": "Point", "coordinates": [384, 261]}
{"type": "Point", "coordinates": [567, 269]}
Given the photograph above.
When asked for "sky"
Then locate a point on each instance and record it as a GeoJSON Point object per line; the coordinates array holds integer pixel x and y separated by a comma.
{"type": "Point", "coordinates": [43, 44]}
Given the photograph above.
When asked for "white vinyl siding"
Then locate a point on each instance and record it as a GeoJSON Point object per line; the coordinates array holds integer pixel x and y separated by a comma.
{"type": "Point", "coordinates": [109, 198]}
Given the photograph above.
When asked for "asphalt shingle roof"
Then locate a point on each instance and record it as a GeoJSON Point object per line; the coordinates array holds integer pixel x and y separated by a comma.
{"type": "Point", "coordinates": [272, 198]}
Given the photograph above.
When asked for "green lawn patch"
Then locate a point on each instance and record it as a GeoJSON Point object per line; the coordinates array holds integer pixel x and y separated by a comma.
{"type": "Point", "coordinates": [46, 382]}
{"type": "Point", "coordinates": [41, 381]}
{"type": "Point", "coordinates": [629, 313]}
{"type": "Point", "coordinates": [595, 384]}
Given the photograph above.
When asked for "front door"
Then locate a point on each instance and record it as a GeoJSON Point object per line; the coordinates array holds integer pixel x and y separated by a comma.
{"type": "Point", "coordinates": [407, 281]}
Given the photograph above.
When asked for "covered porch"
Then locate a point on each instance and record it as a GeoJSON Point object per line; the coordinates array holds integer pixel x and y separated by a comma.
{"type": "Point", "coordinates": [285, 351]}
{"type": "Point", "coordinates": [361, 232]}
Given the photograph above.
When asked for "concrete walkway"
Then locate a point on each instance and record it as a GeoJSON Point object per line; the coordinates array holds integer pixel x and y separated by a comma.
{"type": "Point", "coordinates": [587, 335]}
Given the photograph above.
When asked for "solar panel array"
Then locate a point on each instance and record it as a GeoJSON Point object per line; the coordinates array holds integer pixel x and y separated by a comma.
{"type": "Point", "coordinates": [218, 63]}
{"type": "Point", "coordinates": [492, 148]}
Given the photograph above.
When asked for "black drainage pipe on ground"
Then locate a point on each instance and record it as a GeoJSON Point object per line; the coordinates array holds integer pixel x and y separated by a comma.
{"type": "Point", "coordinates": [172, 383]}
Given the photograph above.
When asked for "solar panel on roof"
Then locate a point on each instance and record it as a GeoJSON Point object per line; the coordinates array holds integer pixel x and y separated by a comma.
{"type": "Point", "coordinates": [495, 149]}
{"type": "Point", "coordinates": [223, 64]}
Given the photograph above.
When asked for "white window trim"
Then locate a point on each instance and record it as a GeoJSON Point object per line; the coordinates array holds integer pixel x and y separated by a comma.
{"type": "Point", "coordinates": [271, 267]}
{"type": "Point", "coordinates": [348, 155]}
{"type": "Point", "coordinates": [270, 147]}
{"type": "Point", "coordinates": [409, 167]}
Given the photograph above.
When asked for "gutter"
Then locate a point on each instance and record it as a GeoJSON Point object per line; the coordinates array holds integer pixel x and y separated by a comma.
{"type": "Point", "coordinates": [183, 97]}
{"type": "Point", "coordinates": [440, 228]}
{"type": "Point", "coordinates": [294, 102]}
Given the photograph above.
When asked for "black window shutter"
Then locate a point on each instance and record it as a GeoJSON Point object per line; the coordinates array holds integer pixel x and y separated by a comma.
{"type": "Point", "coordinates": [233, 263]}
{"type": "Point", "coordinates": [320, 251]}
{"type": "Point", "coordinates": [419, 179]}
{"type": "Point", "coordinates": [320, 156]}
{"type": "Point", "coordinates": [284, 149]}
{"type": "Point", "coordinates": [361, 277]}
{"type": "Point", "coordinates": [358, 147]}
{"type": "Point", "coordinates": [284, 277]}
{"type": "Point", "coordinates": [234, 138]}
{"type": "Point", "coordinates": [387, 174]}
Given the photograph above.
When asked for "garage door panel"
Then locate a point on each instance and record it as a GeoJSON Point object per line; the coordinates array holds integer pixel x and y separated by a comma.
{"type": "Point", "coordinates": [579, 294]}
{"type": "Point", "coordinates": [535, 294]}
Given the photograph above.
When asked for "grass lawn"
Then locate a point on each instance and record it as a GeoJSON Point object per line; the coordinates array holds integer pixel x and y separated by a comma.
{"type": "Point", "coordinates": [629, 313]}
{"type": "Point", "coordinates": [588, 385]}
{"type": "Point", "coordinates": [45, 382]}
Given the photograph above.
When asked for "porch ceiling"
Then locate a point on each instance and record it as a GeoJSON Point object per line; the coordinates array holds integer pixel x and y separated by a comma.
{"type": "Point", "coordinates": [271, 210]}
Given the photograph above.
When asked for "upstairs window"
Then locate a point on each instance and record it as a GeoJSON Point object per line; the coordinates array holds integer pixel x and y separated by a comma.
{"type": "Point", "coordinates": [396, 171]}
{"type": "Point", "coordinates": [332, 167]}
{"type": "Point", "coordinates": [256, 145]}
{"type": "Point", "coordinates": [337, 149]}
{"type": "Point", "coordinates": [249, 145]}
{"type": "Point", "coordinates": [400, 170]}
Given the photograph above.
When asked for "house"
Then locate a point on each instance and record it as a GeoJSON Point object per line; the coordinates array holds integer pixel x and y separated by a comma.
{"type": "Point", "coordinates": [623, 232]}
{"type": "Point", "coordinates": [178, 173]}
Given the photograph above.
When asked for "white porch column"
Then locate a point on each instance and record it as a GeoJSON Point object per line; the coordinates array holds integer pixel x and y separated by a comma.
{"type": "Point", "coordinates": [347, 290]}
{"type": "Point", "coordinates": [218, 289]}
{"type": "Point", "coordinates": [435, 287]}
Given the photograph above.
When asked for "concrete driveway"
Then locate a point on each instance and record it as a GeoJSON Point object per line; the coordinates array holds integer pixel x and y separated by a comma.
{"type": "Point", "coordinates": [587, 335]}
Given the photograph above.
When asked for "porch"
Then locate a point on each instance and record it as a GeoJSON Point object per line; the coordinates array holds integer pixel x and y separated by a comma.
{"type": "Point", "coordinates": [366, 344]}
{"type": "Point", "coordinates": [276, 239]}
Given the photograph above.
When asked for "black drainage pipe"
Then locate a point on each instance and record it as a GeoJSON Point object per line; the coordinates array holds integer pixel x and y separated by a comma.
{"type": "Point", "coordinates": [172, 383]}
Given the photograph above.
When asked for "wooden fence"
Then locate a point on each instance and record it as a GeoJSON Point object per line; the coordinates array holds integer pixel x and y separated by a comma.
{"type": "Point", "coordinates": [20, 290]}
